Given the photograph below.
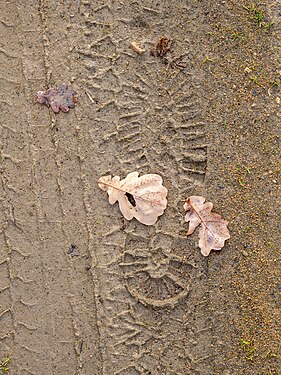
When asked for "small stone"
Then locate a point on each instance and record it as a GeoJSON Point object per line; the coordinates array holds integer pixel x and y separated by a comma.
{"type": "Point", "coordinates": [73, 250]}
{"type": "Point", "coordinates": [247, 70]}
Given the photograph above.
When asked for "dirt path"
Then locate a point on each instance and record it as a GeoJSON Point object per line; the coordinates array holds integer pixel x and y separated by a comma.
{"type": "Point", "coordinates": [133, 299]}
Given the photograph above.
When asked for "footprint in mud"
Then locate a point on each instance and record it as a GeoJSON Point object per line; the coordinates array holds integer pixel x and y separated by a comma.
{"type": "Point", "coordinates": [155, 275]}
{"type": "Point", "coordinates": [147, 117]}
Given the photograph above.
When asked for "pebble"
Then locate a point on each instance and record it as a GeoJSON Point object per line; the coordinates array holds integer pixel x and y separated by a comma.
{"type": "Point", "coordinates": [247, 70]}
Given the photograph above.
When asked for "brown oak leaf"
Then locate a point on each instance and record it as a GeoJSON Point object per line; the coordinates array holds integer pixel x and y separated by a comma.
{"type": "Point", "coordinates": [212, 228]}
{"type": "Point", "coordinates": [141, 197]}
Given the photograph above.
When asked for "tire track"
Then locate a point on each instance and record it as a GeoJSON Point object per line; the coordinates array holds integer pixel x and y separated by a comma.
{"type": "Point", "coordinates": [23, 280]}
{"type": "Point", "coordinates": [152, 290]}
{"type": "Point", "coordinates": [73, 206]}
{"type": "Point", "coordinates": [47, 317]}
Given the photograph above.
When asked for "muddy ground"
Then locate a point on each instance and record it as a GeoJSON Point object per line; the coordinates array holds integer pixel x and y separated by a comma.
{"type": "Point", "coordinates": [133, 299]}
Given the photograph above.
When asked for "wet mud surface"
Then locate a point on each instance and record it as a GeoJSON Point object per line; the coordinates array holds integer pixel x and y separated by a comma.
{"type": "Point", "coordinates": [82, 290]}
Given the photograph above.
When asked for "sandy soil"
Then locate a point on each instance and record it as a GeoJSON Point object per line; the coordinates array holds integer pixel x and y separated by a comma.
{"type": "Point", "coordinates": [134, 299]}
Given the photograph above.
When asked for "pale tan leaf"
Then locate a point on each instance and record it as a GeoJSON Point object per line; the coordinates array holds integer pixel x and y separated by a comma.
{"type": "Point", "coordinates": [212, 228]}
{"type": "Point", "coordinates": [141, 197]}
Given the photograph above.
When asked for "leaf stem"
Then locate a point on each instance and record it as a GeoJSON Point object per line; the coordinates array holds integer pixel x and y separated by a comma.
{"type": "Point", "coordinates": [127, 191]}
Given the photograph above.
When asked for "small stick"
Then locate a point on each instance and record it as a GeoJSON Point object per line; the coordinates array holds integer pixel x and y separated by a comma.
{"type": "Point", "coordinates": [137, 48]}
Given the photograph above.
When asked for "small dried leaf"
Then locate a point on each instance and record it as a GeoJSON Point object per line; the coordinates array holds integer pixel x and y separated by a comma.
{"type": "Point", "coordinates": [162, 47]}
{"type": "Point", "coordinates": [212, 228]}
{"type": "Point", "coordinates": [141, 197]}
{"type": "Point", "coordinates": [58, 98]}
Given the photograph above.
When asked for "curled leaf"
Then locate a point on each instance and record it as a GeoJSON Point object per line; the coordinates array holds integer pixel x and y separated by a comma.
{"type": "Point", "coordinates": [162, 47]}
{"type": "Point", "coordinates": [212, 228]}
{"type": "Point", "coordinates": [58, 98]}
{"type": "Point", "coordinates": [141, 197]}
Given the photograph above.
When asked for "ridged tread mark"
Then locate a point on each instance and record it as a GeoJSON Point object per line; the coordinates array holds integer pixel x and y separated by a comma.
{"type": "Point", "coordinates": [24, 261]}
{"type": "Point", "coordinates": [12, 158]}
{"type": "Point", "coordinates": [7, 326]}
{"type": "Point", "coordinates": [75, 290]}
{"type": "Point", "coordinates": [35, 300]}
{"type": "Point", "coordinates": [139, 112]}
{"type": "Point", "coordinates": [66, 141]}
{"type": "Point", "coordinates": [170, 122]}
{"type": "Point", "coordinates": [155, 275]}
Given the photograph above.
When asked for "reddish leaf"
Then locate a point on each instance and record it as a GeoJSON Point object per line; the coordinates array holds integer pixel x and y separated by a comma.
{"type": "Point", "coordinates": [58, 98]}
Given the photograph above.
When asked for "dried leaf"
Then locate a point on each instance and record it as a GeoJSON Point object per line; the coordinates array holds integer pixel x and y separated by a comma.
{"type": "Point", "coordinates": [141, 197]}
{"type": "Point", "coordinates": [212, 228]}
{"type": "Point", "coordinates": [162, 47]}
{"type": "Point", "coordinates": [58, 98]}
